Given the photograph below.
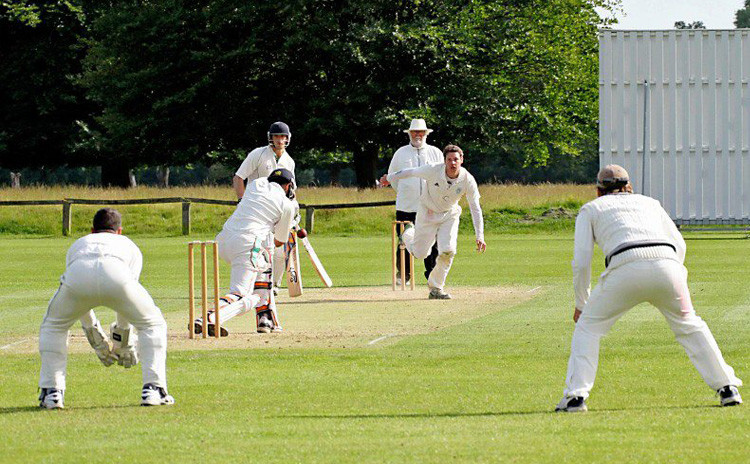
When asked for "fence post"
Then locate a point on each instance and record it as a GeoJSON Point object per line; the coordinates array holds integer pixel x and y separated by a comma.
{"type": "Point", "coordinates": [309, 219]}
{"type": "Point", "coordinates": [185, 218]}
{"type": "Point", "coordinates": [66, 218]}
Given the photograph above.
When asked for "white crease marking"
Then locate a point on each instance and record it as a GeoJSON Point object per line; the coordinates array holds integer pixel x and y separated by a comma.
{"type": "Point", "coordinates": [380, 339]}
{"type": "Point", "coordinates": [14, 343]}
{"type": "Point", "coordinates": [534, 289]}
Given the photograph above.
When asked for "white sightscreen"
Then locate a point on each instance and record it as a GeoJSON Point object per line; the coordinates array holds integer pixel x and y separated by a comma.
{"type": "Point", "coordinates": [697, 118]}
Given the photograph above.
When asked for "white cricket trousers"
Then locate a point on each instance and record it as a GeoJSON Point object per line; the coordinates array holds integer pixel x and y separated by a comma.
{"type": "Point", "coordinates": [429, 227]}
{"type": "Point", "coordinates": [663, 283]}
{"type": "Point", "coordinates": [237, 250]}
{"type": "Point", "coordinates": [89, 283]}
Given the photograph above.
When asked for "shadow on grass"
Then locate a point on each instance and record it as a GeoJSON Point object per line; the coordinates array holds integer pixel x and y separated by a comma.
{"type": "Point", "coordinates": [37, 409]}
{"type": "Point", "coordinates": [429, 415]}
{"type": "Point", "coordinates": [334, 300]}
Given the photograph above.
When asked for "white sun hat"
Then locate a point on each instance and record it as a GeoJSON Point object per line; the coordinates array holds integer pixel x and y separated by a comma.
{"type": "Point", "coordinates": [418, 125]}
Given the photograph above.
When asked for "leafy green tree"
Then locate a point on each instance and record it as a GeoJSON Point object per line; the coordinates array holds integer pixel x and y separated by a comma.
{"type": "Point", "coordinates": [40, 52]}
{"type": "Point", "coordinates": [183, 81]}
{"type": "Point", "coordinates": [693, 25]}
{"type": "Point", "coordinates": [147, 67]}
{"type": "Point", "coordinates": [742, 17]}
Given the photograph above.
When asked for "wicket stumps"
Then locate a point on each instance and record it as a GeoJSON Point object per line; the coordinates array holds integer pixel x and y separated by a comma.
{"type": "Point", "coordinates": [204, 288]}
{"type": "Point", "coordinates": [398, 247]}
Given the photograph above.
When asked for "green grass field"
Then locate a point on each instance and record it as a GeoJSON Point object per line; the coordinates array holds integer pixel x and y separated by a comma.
{"type": "Point", "coordinates": [364, 374]}
{"type": "Point", "coordinates": [508, 208]}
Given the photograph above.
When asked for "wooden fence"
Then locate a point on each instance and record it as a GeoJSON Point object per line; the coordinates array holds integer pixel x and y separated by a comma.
{"type": "Point", "coordinates": [68, 203]}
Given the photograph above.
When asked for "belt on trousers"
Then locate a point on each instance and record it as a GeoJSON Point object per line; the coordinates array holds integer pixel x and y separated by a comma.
{"type": "Point", "coordinates": [631, 245]}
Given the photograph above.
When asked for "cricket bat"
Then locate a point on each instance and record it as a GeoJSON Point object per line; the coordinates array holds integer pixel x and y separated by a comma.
{"type": "Point", "coordinates": [293, 269]}
{"type": "Point", "coordinates": [317, 265]}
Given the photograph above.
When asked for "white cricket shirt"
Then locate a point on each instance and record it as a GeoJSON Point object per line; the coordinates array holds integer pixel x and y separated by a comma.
{"type": "Point", "coordinates": [262, 161]}
{"type": "Point", "coordinates": [408, 190]}
{"type": "Point", "coordinates": [106, 244]}
{"type": "Point", "coordinates": [615, 219]}
{"type": "Point", "coordinates": [442, 194]}
{"type": "Point", "coordinates": [264, 208]}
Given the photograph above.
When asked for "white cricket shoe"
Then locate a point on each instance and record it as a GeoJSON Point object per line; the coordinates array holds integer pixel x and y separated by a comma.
{"type": "Point", "coordinates": [437, 294]}
{"type": "Point", "coordinates": [572, 404]}
{"type": "Point", "coordinates": [51, 398]}
{"type": "Point", "coordinates": [198, 327]}
{"type": "Point", "coordinates": [729, 396]}
{"type": "Point", "coordinates": [265, 324]}
{"type": "Point", "coordinates": [151, 395]}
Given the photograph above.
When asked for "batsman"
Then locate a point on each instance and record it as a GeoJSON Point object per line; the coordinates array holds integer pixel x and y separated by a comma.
{"type": "Point", "coordinates": [266, 208]}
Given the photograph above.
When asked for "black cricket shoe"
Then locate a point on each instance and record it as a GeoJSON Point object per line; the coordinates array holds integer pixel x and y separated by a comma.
{"type": "Point", "coordinates": [729, 396]}
{"type": "Point", "coordinates": [572, 404]}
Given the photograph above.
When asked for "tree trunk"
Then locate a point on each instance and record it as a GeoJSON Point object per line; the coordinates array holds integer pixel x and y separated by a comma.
{"type": "Point", "coordinates": [15, 180]}
{"type": "Point", "coordinates": [162, 174]}
{"type": "Point", "coordinates": [117, 175]}
{"type": "Point", "coordinates": [335, 174]}
{"type": "Point", "coordinates": [365, 167]}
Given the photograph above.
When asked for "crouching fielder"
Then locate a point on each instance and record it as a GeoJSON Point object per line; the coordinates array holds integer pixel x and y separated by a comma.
{"type": "Point", "coordinates": [265, 207]}
{"type": "Point", "coordinates": [644, 262]}
{"type": "Point", "coordinates": [102, 269]}
{"type": "Point", "coordinates": [438, 213]}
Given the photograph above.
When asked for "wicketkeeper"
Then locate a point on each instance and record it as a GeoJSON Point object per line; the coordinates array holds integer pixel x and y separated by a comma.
{"type": "Point", "coordinates": [102, 269]}
{"type": "Point", "coordinates": [439, 213]}
{"type": "Point", "coordinates": [644, 263]}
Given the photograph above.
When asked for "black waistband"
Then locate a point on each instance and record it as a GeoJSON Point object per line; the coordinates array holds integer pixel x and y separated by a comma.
{"type": "Point", "coordinates": [631, 245]}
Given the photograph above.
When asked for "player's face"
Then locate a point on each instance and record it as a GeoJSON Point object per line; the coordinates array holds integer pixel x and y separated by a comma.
{"type": "Point", "coordinates": [279, 141]}
{"type": "Point", "coordinates": [418, 138]}
{"type": "Point", "coordinates": [453, 162]}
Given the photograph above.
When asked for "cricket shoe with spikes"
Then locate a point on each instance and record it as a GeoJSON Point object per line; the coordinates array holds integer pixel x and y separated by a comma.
{"type": "Point", "coordinates": [437, 294]}
{"type": "Point", "coordinates": [198, 324]}
{"type": "Point", "coordinates": [729, 396]}
{"type": "Point", "coordinates": [265, 323]}
{"type": "Point", "coordinates": [572, 404]}
{"type": "Point", "coordinates": [52, 398]}
{"type": "Point", "coordinates": [151, 395]}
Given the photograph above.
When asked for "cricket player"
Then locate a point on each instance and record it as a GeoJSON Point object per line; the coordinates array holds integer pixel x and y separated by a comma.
{"type": "Point", "coordinates": [102, 269]}
{"type": "Point", "coordinates": [260, 163]}
{"type": "Point", "coordinates": [265, 208]}
{"type": "Point", "coordinates": [644, 262]}
{"type": "Point", "coordinates": [417, 153]}
{"type": "Point", "coordinates": [438, 213]}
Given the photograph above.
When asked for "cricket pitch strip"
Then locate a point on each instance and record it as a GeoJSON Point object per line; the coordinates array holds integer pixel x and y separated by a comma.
{"type": "Point", "coordinates": [338, 317]}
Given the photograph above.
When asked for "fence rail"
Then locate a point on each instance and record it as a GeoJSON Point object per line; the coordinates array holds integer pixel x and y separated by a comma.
{"type": "Point", "coordinates": [186, 202]}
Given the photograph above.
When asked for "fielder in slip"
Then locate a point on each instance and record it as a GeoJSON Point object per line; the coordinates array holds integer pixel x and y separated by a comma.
{"type": "Point", "coordinates": [438, 213]}
{"type": "Point", "coordinates": [265, 208]}
{"type": "Point", "coordinates": [102, 269]}
{"type": "Point", "coordinates": [644, 262]}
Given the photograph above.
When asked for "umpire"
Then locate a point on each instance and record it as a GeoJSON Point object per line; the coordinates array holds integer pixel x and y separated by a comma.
{"type": "Point", "coordinates": [417, 153]}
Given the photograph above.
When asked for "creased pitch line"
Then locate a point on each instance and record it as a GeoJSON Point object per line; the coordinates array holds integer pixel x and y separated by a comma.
{"type": "Point", "coordinates": [380, 339]}
{"type": "Point", "coordinates": [14, 343]}
{"type": "Point", "coordinates": [534, 289]}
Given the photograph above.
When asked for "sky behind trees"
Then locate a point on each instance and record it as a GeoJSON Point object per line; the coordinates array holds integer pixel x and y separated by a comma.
{"type": "Point", "coordinates": [662, 14]}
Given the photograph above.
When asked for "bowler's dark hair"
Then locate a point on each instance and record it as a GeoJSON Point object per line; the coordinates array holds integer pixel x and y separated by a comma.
{"type": "Point", "coordinates": [107, 219]}
{"type": "Point", "coordinates": [452, 149]}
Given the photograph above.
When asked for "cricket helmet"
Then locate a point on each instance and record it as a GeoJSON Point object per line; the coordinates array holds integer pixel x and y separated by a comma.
{"type": "Point", "coordinates": [279, 128]}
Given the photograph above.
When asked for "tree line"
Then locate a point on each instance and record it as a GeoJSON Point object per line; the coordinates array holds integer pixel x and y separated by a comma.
{"type": "Point", "coordinates": [123, 83]}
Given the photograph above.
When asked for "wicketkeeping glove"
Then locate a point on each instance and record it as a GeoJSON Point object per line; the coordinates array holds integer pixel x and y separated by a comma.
{"type": "Point", "coordinates": [124, 341]}
{"type": "Point", "coordinates": [99, 341]}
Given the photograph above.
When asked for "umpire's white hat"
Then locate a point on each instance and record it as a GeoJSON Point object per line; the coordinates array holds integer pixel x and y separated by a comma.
{"type": "Point", "coordinates": [418, 125]}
